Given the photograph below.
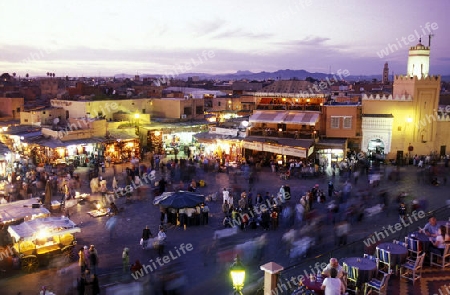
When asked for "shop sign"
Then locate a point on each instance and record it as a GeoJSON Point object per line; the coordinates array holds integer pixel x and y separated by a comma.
{"type": "Point", "coordinates": [273, 149]}
{"type": "Point", "coordinates": [291, 151]}
{"type": "Point", "coordinates": [223, 131]}
{"type": "Point", "coordinates": [256, 146]}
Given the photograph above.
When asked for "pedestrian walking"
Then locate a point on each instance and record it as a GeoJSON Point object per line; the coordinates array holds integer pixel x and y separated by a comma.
{"type": "Point", "coordinates": [204, 209]}
{"type": "Point", "coordinates": [86, 256]}
{"type": "Point", "coordinates": [93, 259]}
{"type": "Point", "coordinates": [125, 260]}
{"type": "Point", "coordinates": [81, 261]}
{"type": "Point", "coordinates": [161, 241]}
{"type": "Point", "coordinates": [146, 234]}
{"type": "Point", "coordinates": [111, 225]}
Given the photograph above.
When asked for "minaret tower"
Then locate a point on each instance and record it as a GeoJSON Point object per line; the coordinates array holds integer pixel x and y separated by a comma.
{"type": "Point", "coordinates": [385, 74]}
{"type": "Point", "coordinates": [419, 61]}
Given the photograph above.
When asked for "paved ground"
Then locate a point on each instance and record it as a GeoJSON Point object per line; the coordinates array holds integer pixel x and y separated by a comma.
{"type": "Point", "coordinates": [203, 269]}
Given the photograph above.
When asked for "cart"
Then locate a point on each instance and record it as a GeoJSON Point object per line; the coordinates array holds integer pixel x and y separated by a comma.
{"type": "Point", "coordinates": [43, 238]}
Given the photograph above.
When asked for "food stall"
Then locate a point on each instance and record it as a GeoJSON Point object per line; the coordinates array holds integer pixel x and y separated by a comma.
{"type": "Point", "coordinates": [37, 238]}
{"type": "Point", "coordinates": [24, 210]}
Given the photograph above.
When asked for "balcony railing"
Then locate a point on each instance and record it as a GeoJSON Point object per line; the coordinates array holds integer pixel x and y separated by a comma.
{"type": "Point", "coordinates": [288, 107]}
{"type": "Point", "coordinates": [295, 134]}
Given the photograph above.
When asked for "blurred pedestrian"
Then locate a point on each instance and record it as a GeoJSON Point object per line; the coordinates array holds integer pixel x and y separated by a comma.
{"type": "Point", "coordinates": [81, 261]}
{"type": "Point", "coordinates": [161, 241]}
{"type": "Point", "coordinates": [146, 234]}
{"type": "Point", "coordinates": [125, 260]}
{"type": "Point", "coordinates": [93, 259]}
{"type": "Point", "coordinates": [86, 256]}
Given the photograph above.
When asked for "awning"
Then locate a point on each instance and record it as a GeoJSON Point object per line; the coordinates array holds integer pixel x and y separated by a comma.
{"type": "Point", "coordinates": [22, 209]}
{"type": "Point", "coordinates": [267, 117]}
{"type": "Point", "coordinates": [301, 148]}
{"type": "Point", "coordinates": [54, 226]}
{"type": "Point", "coordinates": [123, 134]}
{"type": "Point", "coordinates": [84, 141]}
{"type": "Point", "coordinates": [331, 143]}
{"type": "Point", "coordinates": [210, 137]}
{"type": "Point", "coordinates": [43, 141]}
{"type": "Point", "coordinates": [302, 118]}
{"type": "Point", "coordinates": [255, 146]}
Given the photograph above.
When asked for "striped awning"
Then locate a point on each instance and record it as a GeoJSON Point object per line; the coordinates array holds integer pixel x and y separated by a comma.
{"type": "Point", "coordinates": [302, 118]}
{"type": "Point", "coordinates": [286, 117]}
{"type": "Point", "coordinates": [267, 117]}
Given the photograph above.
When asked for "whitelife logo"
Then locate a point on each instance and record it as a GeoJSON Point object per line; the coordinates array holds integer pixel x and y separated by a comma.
{"type": "Point", "coordinates": [405, 41]}
{"type": "Point", "coordinates": [161, 261]}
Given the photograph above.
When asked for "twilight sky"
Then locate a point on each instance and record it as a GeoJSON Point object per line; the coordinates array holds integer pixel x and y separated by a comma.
{"type": "Point", "coordinates": [99, 37]}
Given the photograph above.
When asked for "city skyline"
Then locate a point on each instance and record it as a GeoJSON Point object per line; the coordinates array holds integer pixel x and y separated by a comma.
{"type": "Point", "coordinates": [172, 38]}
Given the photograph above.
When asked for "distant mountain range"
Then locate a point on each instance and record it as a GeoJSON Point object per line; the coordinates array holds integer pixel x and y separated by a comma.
{"type": "Point", "coordinates": [277, 75]}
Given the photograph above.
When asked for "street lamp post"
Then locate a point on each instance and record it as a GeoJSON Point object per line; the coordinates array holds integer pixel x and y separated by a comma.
{"type": "Point", "coordinates": [237, 273]}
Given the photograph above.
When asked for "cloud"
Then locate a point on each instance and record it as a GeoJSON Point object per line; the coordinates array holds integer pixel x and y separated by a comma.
{"type": "Point", "coordinates": [222, 29]}
{"type": "Point", "coordinates": [307, 41]}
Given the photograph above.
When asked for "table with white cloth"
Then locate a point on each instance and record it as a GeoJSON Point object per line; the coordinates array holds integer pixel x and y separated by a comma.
{"type": "Point", "coordinates": [367, 268]}
{"type": "Point", "coordinates": [398, 252]}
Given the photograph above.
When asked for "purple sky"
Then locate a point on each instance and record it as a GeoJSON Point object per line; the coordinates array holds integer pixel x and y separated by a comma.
{"type": "Point", "coordinates": [91, 38]}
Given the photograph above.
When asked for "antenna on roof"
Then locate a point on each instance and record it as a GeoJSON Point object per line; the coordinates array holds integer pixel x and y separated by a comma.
{"type": "Point", "coordinates": [429, 39]}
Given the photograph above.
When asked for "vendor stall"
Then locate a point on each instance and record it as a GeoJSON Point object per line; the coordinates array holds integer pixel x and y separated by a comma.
{"type": "Point", "coordinates": [19, 211]}
{"type": "Point", "coordinates": [43, 236]}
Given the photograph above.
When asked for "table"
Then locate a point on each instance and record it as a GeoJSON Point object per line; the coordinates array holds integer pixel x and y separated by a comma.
{"type": "Point", "coordinates": [367, 268]}
{"type": "Point", "coordinates": [398, 252]}
{"type": "Point", "coordinates": [423, 238]}
{"type": "Point", "coordinates": [315, 285]}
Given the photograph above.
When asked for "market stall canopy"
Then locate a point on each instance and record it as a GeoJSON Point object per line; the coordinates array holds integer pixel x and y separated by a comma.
{"type": "Point", "coordinates": [16, 211]}
{"type": "Point", "coordinates": [51, 226]}
{"type": "Point", "coordinates": [179, 199]}
{"type": "Point", "coordinates": [123, 134]}
{"type": "Point", "coordinates": [56, 143]}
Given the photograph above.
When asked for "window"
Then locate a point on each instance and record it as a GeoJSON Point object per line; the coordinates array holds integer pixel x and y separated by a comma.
{"type": "Point", "coordinates": [335, 122]}
{"type": "Point", "coordinates": [199, 110]}
{"type": "Point", "coordinates": [347, 122]}
{"type": "Point", "coordinates": [218, 103]}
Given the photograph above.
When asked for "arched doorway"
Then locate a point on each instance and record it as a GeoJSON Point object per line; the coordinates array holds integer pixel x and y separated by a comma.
{"type": "Point", "coordinates": [375, 150]}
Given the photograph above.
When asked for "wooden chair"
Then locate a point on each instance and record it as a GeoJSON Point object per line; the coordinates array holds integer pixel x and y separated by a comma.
{"type": "Point", "coordinates": [414, 247]}
{"type": "Point", "coordinates": [384, 257]}
{"type": "Point", "coordinates": [352, 278]}
{"type": "Point", "coordinates": [377, 286]}
{"type": "Point", "coordinates": [412, 271]}
{"type": "Point", "coordinates": [441, 260]}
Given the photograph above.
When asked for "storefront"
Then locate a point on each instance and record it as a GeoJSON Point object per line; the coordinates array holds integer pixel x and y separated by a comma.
{"type": "Point", "coordinates": [219, 146]}
{"type": "Point", "coordinates": [78, 152]}
{"type": "Point", "coordinates": [122, 146]}
{"type": "Point", "coordinates": [330, 151]}
{"type": "Point", "coordinates": [172, 138]}
{"type": "Point", "coordinates": [282, 150]}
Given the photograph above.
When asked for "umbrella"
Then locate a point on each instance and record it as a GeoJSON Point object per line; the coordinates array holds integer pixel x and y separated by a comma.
{"type": "Point", "coordinates": [180, 199]}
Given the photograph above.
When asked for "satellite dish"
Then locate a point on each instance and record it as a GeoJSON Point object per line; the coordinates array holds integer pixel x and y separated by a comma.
{"type": "Point", "coordinates": [55, 121]}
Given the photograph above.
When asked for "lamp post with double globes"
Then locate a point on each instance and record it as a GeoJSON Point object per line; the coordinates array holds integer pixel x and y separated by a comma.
{"type": "Point", "coordinates": [237, 273]}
